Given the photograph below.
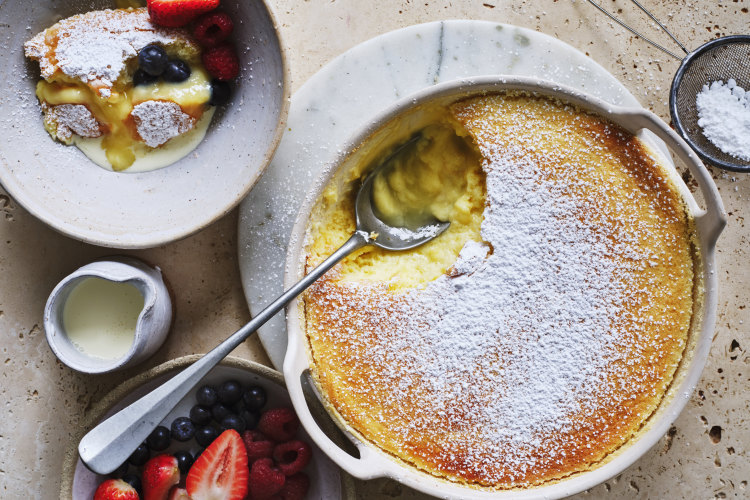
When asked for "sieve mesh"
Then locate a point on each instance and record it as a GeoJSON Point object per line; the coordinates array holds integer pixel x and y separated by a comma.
{"type": "Point", "coordinates": [720, 59]}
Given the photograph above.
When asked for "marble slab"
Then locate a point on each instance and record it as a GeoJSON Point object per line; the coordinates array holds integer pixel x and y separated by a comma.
{"type": "Point", "coordinates": [354, 88]}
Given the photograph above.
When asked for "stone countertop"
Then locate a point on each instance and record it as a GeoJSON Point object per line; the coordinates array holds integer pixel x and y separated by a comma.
{"type": "Point", "coordinates": [704, 455]}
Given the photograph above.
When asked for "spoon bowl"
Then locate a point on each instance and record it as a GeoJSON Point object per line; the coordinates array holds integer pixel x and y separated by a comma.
{"type": "Point", "coordinates": [382, 234]}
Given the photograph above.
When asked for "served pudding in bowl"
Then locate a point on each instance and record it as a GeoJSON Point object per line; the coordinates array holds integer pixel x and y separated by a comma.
{"type": "Point", "coordinates": [94, 94]}
{"type": "Point", "coordinates": [537, 341]}
{"type": "Point", "coordinates": [61, 186]}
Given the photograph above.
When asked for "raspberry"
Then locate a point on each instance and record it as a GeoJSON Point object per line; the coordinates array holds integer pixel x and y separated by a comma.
{"type": "Point", "coordinates": [292, 456]}
{"type": "Point", "coordinates": [257, 446]}
{"type": "Point", "coordinates": [213, 28]}
{"type": "Point", "coordinates": [295, 487]}
{"type": "Point", "coordinates": [222, 62]}
{"type": "Point", "coordinates": [265, 479]}
{"type": "Point", "coordinates": [280, 424]}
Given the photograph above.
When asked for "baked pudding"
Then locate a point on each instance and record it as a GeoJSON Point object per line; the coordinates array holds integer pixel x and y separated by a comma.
{"type": "Point", "coordinates": [91, 96]}
{"type": "Point", "coordinates": [535, 337]}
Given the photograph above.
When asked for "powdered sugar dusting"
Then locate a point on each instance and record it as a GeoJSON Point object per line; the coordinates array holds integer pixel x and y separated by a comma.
{"type": "Point", "coordinates": [528, 362]}
{"type": "Point", "coordinates": [724, 117]}
{"type": "Point", "coordinates": [94, 47]}
{"type": "Point", "coordinates": [159, 121]}
{"type": "Point", "coordinates": [69, 119]}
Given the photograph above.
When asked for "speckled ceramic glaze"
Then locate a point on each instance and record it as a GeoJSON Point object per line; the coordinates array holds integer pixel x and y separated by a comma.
{"type": "Point", "coordinates": [151, 328]}
{"type": "Point", "coordinates": [62, 187]}
{"type": "Point", "coordinates": [710, 221]}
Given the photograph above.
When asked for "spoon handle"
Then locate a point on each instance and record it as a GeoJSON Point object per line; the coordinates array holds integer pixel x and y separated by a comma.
{"type": "Point", "coordinates": [111, 442]}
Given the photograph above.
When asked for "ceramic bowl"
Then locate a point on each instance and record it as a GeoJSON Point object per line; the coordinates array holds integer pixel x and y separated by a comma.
{"type": "Point", "coordinates": [79, 483]}
{"type": "Point", "coordinates": [151, 327]}
{"type": "Point", "coordinates": [63, 188]}
{"type": "Point", "coordinates": [400, 121]}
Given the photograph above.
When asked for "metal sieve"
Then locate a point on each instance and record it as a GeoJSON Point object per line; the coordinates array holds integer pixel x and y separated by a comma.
{"type": "Point", "coordinates": [720, 59]}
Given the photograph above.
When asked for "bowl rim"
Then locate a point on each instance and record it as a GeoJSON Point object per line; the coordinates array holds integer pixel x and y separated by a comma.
{"type": "Point", "coordinates": [136, 238]}
{"type": "Point", "coordinates": [709, 223]}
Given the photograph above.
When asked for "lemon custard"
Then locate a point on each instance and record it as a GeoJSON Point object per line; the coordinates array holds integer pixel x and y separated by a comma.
{"type": "Point", "coordinates": [89, 96]}
{"type": "Point", "coordinates": [537, 335]}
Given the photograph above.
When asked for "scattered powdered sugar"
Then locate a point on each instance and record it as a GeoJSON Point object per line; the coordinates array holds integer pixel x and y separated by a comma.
{"type": "Point", "coordinates": [724, 116]}
{"type": "Point", "coordinates": [514, 363]}
{"type": "Point", "coordinates": [159, 121]}
{"type": "Point", "coordinates": [69, 119]}
{"type": "Point", "coordinates": [471, 257]}
{"type": "Point", "coordinates": [95, 46]}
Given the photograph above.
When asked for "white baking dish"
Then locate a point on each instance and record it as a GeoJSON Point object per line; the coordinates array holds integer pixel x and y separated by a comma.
{"type": "Point", "coordinates": [381, 132]}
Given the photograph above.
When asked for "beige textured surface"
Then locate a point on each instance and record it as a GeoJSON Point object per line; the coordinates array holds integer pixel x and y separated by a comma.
{"type": "Point", "coordinates": [705, 455]}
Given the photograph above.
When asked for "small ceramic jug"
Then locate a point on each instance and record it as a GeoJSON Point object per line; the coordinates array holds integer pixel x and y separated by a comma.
{"type": "Point", "coordinates": [152, 324]}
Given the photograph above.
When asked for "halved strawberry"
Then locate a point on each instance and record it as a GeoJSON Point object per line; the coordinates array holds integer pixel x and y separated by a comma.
{"type": "Point", "coordinates": [115, 489]}
{"type": "Point", "coordinates": [176, 13]}
{"type": "Point", "coordinates": [221, 471]}
{"type": "Point", "coordinates": [159, 475]}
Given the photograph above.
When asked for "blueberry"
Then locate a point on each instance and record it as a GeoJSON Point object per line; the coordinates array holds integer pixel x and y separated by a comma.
{"type": "Point", "coordinates": [206, 396]}
{"type": "Point", "coordinates": [153, 59]}
{"type": "Point", "coordinates": [142, 78]}
{"type": "Point", "coordinates": [176, 71]}
{"type": "Point", "coordinates": [250, 418]}
{"type": "Point", "coordinates": [182, 429]}
{"type": "Point", "coordinates": [134, 481]}
{"type": "Point", "coordinates": [233, 422]}
{"type": "Point", "coordinates": [220, 92]}
{"type": "Point", "coordinates": [184, 460]}
{"type": "Point", "coordinates": [230, 392]}
{"type": "Point", "coordinates": [254, 398]}
{"type": "Point", "coordinates": [159, 439]}
{"type": "Point", "coordinates": [200, 415]}
{"type": "Point", "coordinates": [219, 412]}
{"type": "Point", "coordinates": [206, 435]}
{"type": "Point", "coordinates": [140, 456]}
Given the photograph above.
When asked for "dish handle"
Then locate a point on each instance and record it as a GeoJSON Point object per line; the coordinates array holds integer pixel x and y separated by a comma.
{"type": "Point", "coordinates": [370, 463]}
{"type": "Point", "coordinates": [710, 220]}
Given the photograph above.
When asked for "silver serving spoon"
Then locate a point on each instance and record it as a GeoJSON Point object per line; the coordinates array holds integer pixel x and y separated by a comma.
{"type": "Point", "coordinates": [111, 442]}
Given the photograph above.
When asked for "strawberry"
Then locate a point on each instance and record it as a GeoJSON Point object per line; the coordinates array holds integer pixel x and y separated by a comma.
{"type": "Point", "coordinates": [265, 479]}
{"type": "Point", "coordinates": [292, 456]}
{"type": "Point", "coordinates": [257, 446]}
{"type": "Point", "coordinates": [213, 28]}
{"type": "Point", "coordinates": [176, 13]}
{"type": "Point", "coordinates": [179, 494]}
{"type": "Point", "coordinates": [221, 471]}
{"type": "Point", "coordinates": [222, 61]}
{"type": "Point", "coordinates": [295, 487]}
{"type": "Point", "coordinates": [115, 489]}
{"type": "Point", "coordinates": [280, 424]}
{"type": "Point", "coordinates": [159, 474]}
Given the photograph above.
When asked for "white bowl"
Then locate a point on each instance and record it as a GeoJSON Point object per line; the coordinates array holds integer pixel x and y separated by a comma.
{"type": "Point", "coordinates": [79, 483]}
{"type": "Point", "coordinates": [63, 188]}
{"type": "Point", "coordinates": [381, 133]}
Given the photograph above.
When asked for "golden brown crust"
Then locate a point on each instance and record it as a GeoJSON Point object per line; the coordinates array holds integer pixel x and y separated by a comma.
{"type": "Point", "coordinates": [517, 402]}
{"type": "Point", "coordinates": [95, 46]}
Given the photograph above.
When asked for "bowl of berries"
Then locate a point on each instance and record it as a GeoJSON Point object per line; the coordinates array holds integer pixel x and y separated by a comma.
{"type": "Point", "coordinates": [235, 436]}
{"type": "Point", "coordinates": [132, 127]}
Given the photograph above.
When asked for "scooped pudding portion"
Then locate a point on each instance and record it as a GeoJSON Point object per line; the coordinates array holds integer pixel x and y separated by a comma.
{"type": "Point", "coordinates": [98, 89]}
{"type": "Point", "coordinates": [552, 335]}
{"type": "Point", "coordinates": [437, 176]}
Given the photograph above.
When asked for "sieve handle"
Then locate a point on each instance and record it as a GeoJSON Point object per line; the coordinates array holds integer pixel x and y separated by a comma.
{"type": "Point", "coordinates": [710, 220]}
{"type": "Point", "coordinates": [370, 464]}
